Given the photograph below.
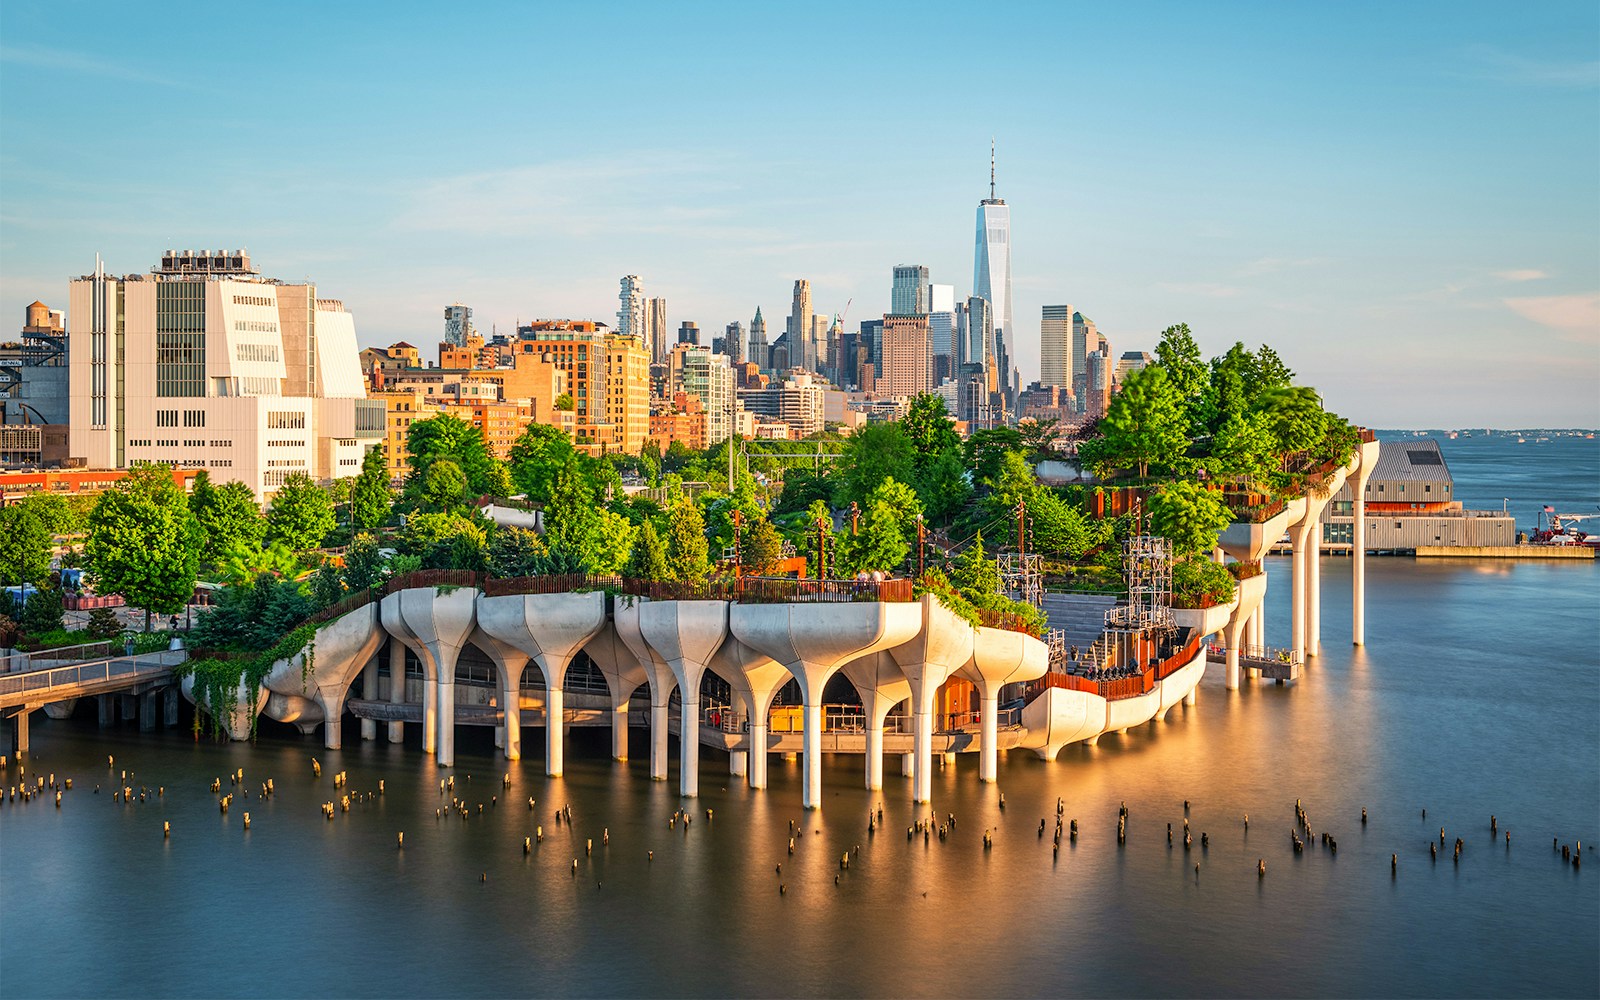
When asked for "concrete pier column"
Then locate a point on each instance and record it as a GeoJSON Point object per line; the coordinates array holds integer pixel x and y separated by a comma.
{"type": "Point", "coordinates": [19, 733]}
{"type": "Point", "coordinates": [874, 756]}
{"type": "Point", "coordinates": [446, 735]}
{"type": "Point", "coordinates": [619, 730]}
{"type": "Point", "coordinates": [331, 698]}
{"type": "Point", "coordinates": [1314, 593]}
{"type": "Point", "coordinates": [738, 762]}
{"type": "Point", "coordinates": [689, 747]}
{"type": "Point", "coordinates": [1000, 657]}
{"type": "Point", "coordinates": [940, 648]}
{"type": "Point", "coordinates": [758, 752]}
{"type": "Point", "coordinates": [756, 678]}
{"type": "Point", "coordinates": [659, 725]}
{"type": "Point", "coordinates": [685, 635]}
{"type": "Point", "coordinates": [397, 685]}
{"type": "Point", "coordinates": [1297, 591]}
{"type": "Point", "coordinates": [147, 711]}
{"type": "Point", "coordinates": [922, 747]}
{"type": "Point", "coordinates": [989, 751]}
{"type": "Point", "coordinates": [811, 764]}
{"type": "Point", "coordinates": [369, 691]}
{"type": "Point", "coordinates": [130, 707]}
{"type": "Point", "coordinates": [882, 685]}
{"type": "Point", "coordinates": [107, 704]}
{"type": "Point", "coordinates": [908, 764]}
{"type": "Point", "coordinates": [169, 698]}
{"type": "Point", "coordinates": [554, 738]}
{"type": "Point", "coordinates": [1358, 545]}
{"type": "Point", "coordinates": [430, 714]}
{"type": "Point", "coordinates": [509, 664]}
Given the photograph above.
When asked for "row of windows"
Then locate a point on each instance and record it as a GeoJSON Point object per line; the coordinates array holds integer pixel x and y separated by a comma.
{"type": "Point", "coordinates": [221, 463]}
{"type": "Point", "coordinates": [260, 387]}
{"type": "Point", "coordinates": [191, 418]}
{"type": "Point", "coordinates": [254, 326]}
{"type": "Point", "coordinates": [1426, 488]}
{"type": "Point", "coordinates": [286, 420]}
{"type": "Point", "coordinates": [222, 444]}
{"type": "Point", "coordinates": [286, 463]}
{"type": "Point", "coordinates": [254, 300]}
{"type": "Point", "coordinates": [286, 443]}
{"type": "Point", "coordinates": [256, 352]}
{"type": "Point", "coordinates": [275, 478]}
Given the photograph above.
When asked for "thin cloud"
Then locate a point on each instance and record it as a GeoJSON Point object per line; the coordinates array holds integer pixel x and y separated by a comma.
{"type": "Point", "coordinates": [1203, 289]}
{"type": "Point", "coordinates": [1521, 274]}
{"type": "Point", "coordinates": [65, 61]}
{"type": "Point", "coordinates": [1488, 62]}
{"type": "Point", "coordinates": [1569, 314]}
{"type": "Point", "coordinates": [1273, 265]}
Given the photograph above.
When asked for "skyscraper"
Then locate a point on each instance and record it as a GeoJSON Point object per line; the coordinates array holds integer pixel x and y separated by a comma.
{"type": "Point", "coordinates": [906, 356]}
{"type": "Point", "coordinates": [1055, 346]}
{"type": "Point", "coordinates": [1085, 340]}
{"type": "Point", "coordinates": [758, 340]}
{"type": "Point", "coordinates": [733, 342]}
{"type": "Point", "coordinates": [942, 331]}
{"type": "Point", "coordinates": [801, 353]}
{"type": "Point", "coordinates": [655, 330]}
{"type": "Point", "coordinates": [457, 324]}
{"type": "Point", "coordinates": [991, 269]}
{"type": "Point", "coordinates": [631, 318]}
{"type": "Point", "coordinates": [909, 296]}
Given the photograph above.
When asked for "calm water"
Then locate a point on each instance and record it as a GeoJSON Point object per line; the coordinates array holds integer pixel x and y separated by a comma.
{"type": "Point", "coordinates": [1476, 695]}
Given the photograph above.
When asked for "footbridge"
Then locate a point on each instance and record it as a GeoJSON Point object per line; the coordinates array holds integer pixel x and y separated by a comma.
{"type": "Point", "coordinates": [146, 678]}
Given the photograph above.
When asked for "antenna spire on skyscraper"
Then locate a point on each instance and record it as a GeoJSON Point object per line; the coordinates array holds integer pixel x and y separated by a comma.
{"type": "Point", "coordinates": [991, 168]}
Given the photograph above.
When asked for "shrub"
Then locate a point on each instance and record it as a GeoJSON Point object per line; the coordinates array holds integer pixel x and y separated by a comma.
{"type": "Point", "coordinates": [1200, 583]}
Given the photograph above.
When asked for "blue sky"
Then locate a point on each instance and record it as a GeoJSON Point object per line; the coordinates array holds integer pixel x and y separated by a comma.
{"type": "Point", "coordinates": [1403, 199]}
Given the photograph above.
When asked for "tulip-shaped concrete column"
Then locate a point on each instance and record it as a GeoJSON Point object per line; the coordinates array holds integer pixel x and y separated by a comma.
{"type": "Point", "coordinates": [881, 685]}
{"type": "Point", "coordinates": [509, 662]}
{"type": "Point", "coordinates": [397, 684]}
{"type": "Point", "coordinates": [1358, 544]}
{"type": "Point", "coordinates": [1300, 540]}
{"type": "Point", "coordinates": [756, 678]}
{"type": "Point", "coordinates": [812, 641]}
{"type": "Point", "coordinates": [1000, 657]}
{"type": "Point", "coordinates": [1250, 593]}
{"type": "Point", "coordinates": [942, 647]}
{"type": "Point", "coordinates": [686, 635]}
{"type": "Point", "coordinates": [551, 628]}
{"type": "Point", "coordinates": [369, 691]}
{"type": "Point", "coordinates": [338, 652]}
{"type": "Point", "coordinates": [441, 620]}
{"type": "Point", "coordinates": [395, 624]}
{"type": "Point", "coordinates": [626, 619]}
{"type": "Point", "coordinates": [623, 676]}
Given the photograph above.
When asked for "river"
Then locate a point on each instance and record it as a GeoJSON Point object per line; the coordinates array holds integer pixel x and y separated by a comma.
{"type": "Point", "coordinates": [1476, 695]}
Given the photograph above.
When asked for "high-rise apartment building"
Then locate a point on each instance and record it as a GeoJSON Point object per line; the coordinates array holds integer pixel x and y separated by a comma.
{"type": "Point", "coordinates": [708, 377]}
{"type": "Point", "coordinates": [688, 333]}
{"type": "Point", "coordinates": [203, 363]}
{"type": "Point", "coordinates": [1131, 361]}
{"type": "Point", "coordinates": [907, 359]}
{"type": "Point", "coordinates": [1055, 346]}
{"type": "Point", "coordinates": [457, 325]}
{"type": "Point", "coordinates": [631, 317]}
{"type": "Point", "coordinates": [817, 343]}
{"type": "Point", "coordinates": [607, 376]}
{"type": "Point", "coordinates": [942, 331]}
{"type": "Point", "coordinates": [909, 296]}
{"type": "Point", "coordinates": [802, 353]}
{"type": "Point", "coordinates": [991, 269]}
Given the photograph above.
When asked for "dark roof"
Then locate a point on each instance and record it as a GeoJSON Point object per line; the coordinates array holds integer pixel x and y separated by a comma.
{"type": "Point", "coordinates": [1418, 459]}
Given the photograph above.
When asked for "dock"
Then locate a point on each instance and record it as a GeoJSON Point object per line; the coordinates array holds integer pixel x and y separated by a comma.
{"type": "Point", "coordinates": [1505, 552]}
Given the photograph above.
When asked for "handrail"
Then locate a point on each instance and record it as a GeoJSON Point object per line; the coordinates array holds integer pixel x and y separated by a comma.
{"type": "Point", "coordinates": [1129, 686]}
{"type": "Point", "coordinates": [22, 682]}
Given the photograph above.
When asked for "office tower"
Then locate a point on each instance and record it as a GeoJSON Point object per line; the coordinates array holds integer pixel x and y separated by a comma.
{"type": "Point", "coordinates": [910, 293]}
{"type": "Point", "coordinates": [942, 331]}
{"type": "Point", "coordinates": [906, 358]}
{"type": "Point", "coordinates": [708, 377]}
{"type": "Point", "coordinates": [457, 325]}
{"type": "Point", "coordinates": [872, 341]}
{"type": "Point", "coordinates": [1055, 346]}
{"type": "Point", "coordinates": [655, 330]}
{"type": "Point", "coordinates": [817, 343]}
{"type": "Point", "coordinates": [631, 317]}
{"type": "Point", "coordinates": [991, 270]}
{"type": "Point", "coordinates": [205, 364]}
{"type": "Point", "coordinates": [758, 340]}
{"type": "Point", "coordinates": [688, 333]}
{"type": "Point", "coordinates": [1085, 339]}
{"type": "Point", "coordinates": [733, 342]}
{"type": "Point", "coordinates": [607, 375]}
{"type": "Point", "coordinates": [1131, 361]}
{"type": "Point", "coordinates": [799, 328]}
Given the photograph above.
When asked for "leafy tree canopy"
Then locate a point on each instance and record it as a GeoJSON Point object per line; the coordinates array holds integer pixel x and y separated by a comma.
{"type": "Point", "coordinates": [872, 454]}
{"type": "Point", "coordinates": [144, 543]}
{"type": "Point", "coordinates": [370, 496]}
{"type": "Point", "coordinates": [228, 517]}
{"type": "Point", "coordinates": [301, 514]}
{"type": "Point", "coordinates": [1190, 515]}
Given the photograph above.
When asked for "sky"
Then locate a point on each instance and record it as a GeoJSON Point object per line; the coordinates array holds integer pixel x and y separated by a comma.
{"type": "Point", "coordinates": [1402, 199]}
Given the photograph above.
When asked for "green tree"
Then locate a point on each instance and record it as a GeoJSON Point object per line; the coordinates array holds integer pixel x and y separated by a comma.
{"type": "Point", "coordinates": [1057, 528]}
{"type": "Point", "coordinates": [648, 560]}
{"type": "Point", "coordinates": [447, 436]}
{"type": "Point", "coordinates": [144, 544]}
{"type": "Point", "coordinates": [364, 565]}
{"type": "Point", "coordinates": [536, 456]}
{"type": "Point", "coordinates": [104, 624]}
{"type": "Point", "coordinates": [370, 496]}
{"type": "Point", "coordinates": [444, 487]}
{"type": "Point", "coordinates": [1242, 447]}
{"type": "Point", "coordinates": [944, 487]}
{"type": "Point", "coordinates": [1190, 515]}
{"type": "Point", "coordinates": [1144, 424]}
{"type": "Point", "coordinates": [1270, 372]}
{"type": "Point", "coordinates": [59, 515]}
{"type": "Point", "coordinates": [760, 547]}
{"type": "Point", "coordinates": [516, 552]}
{"type": "Point", "coordinates": [878, 544]}
{"type": "Point", "coordinates": [801, 488]}
{"type": "Point", "coordinates": [43, 611]}
{"type": "Point", "coordinates": [872, 454]}
{"type": "Point", "coordinates": [301, 514]}
{"type": "Point", "coordinates": [243, 562]}
{"type": "Point", "coordinates": [1039, 437]}
{"type": "Point", "coordinates": [571, 521]}
{"type": "Point", "coordinates": [1293, 417]}
{"type": "Point", "coordinates": [975, 575]}
{"type": "Point", "coordinates": [445, 541]}
{"type": "Point", "coordinates": [24, 544]}
{"type": "Point", "coordinates": [613, 543]}
{"type": "Point", "coordinates": [987, 448]}
{"type": "Point", "coordinates": [927, 425]}
{"type": "Point", "coordinates": [687, 555]}
{"type": "Point", "coordinates": [228, 517]}
{"type": "Point", "coordinates": [1179, 356]}
{"type": "Point", "coordinates": [327, 586]}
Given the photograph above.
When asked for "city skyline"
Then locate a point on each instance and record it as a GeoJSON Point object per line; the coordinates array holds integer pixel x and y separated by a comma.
{"type": "Point", "coordinates": [1245, 178]}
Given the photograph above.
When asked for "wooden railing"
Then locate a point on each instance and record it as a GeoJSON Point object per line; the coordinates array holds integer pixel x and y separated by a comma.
{"type": "Point", "coordinates": [1131, 686]}
{"type": "Point", "coordinates": [556, 583]}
